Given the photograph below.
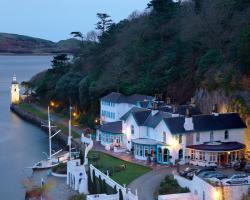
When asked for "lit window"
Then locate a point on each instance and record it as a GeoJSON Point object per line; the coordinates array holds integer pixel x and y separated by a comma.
{"type": "Point", "coordinates": [180, 139]}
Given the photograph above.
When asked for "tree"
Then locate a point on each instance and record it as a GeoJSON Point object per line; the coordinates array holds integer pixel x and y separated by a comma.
{"type": "Point", "coordinates": [197, 6]}
{"type": "Point", "coordinates": [104, 22]}
{"type": "Point", "coordinates": [161, 6]}
{"type": "Point", "coordinates": [100, 185]}
{"type": "Point", "coordinates": [120, 195]}
{"type": "Point", "coordinates": [60, 60]}
{"type": "Point", "coordinates": [94, 183]}
{"type": "Point", "coordinates": [104, 186]}
{"type": "Point", "coordinates": [90, 183]}
{"type": "Point", "coordinates": [78, 34]}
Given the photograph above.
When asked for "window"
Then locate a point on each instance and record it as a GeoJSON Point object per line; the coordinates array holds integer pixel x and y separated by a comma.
{"type": "Point", "coordinates": [226, 135]}
{"type": "Point", "coordinates": [192, 155]}
{"type": "Point", "coordinates": [112, 139]}
{"type": "Point", "coordinates": [132, 130]}
{"type": "Point", "coordinates": [198, 137]}
{"type": "Point", "coordinates": [164, 136]}
{"type": "Point", "coordinates": [212, 157]}
{"type": "Point", "coordinates": [211, 136]}
{"type": "Point", "coordinates": [180, 154]}
{"type": "Point", "coordinates": [146, 152]}
{"type": "Point", "coordinates": [180, 139]}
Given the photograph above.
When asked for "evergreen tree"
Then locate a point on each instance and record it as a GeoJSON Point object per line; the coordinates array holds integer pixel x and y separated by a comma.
{"type": "Point", "coordinates": [100, 185]}
{"type": "Point", "coordinates": [120, 195]}
{"type": "Point", "coordinates": [197, 6]}
{"type": "Point", "coordinates": [104, 22]}
{"type": "Point", "coordinates": [161, 6]}
{"type": "Point", "coordinates": [90, 183]}
{"type": "Point", "coordinates": [94, 183]}
{"type": "Point", "coordinates": [104, 187]}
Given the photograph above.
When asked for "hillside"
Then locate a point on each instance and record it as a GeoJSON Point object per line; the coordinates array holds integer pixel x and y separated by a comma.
{"type": "Point", "coordinates": [13, 43]}
{"type": "Point", "coordinates": [172, 48]}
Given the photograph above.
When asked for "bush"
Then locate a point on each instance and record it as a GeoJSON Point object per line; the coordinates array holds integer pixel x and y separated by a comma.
{"type": "Point", "coordinates": [78, 197]}
{"type": "Point", "coordinates": [60, 169]}
{"type": "Point", "coordinates": [171, 186]}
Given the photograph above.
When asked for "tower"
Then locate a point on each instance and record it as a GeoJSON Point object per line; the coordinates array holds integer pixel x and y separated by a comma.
{"type": "Point", "coordinates": [15, 96]}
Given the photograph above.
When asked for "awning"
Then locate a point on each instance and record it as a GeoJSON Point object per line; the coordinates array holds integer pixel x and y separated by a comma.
{"type": "Point", "coordinates": [218, 146]}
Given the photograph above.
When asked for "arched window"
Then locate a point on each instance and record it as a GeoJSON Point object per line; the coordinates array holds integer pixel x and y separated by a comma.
{"type": "Point", "coordinates": [159, 154]}
{"type": "Point", "coordinates": [164, 136]}
{"type": "Point", "coordinates": [180, 153]}
{"type": "Point", "coordinates": [132, 129]}
{"type": "Point", "coordinates": [165, 155]}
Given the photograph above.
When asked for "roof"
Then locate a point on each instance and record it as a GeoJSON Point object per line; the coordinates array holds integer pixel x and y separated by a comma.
{"type": "Point", "coordinates": [206, 123]}
{"type": "Point", "coordinates": [145, 141]}
{"type": "Point", "coordinates": [140, 115]}
{"type": "Point", "coordinates": [219, 146]}
{"type": "Point", "coordinates": [116, 97]}
{"type": "Point", "coordinates": [112, 127]}
{"type": "Point", "coordinates": [154, 120]}
{"type": "Point", "coordinates": [180, 109]}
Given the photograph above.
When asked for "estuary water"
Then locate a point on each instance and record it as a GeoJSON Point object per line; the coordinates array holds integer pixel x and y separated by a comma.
{"type": "Point", "coordinates": [21, 144]}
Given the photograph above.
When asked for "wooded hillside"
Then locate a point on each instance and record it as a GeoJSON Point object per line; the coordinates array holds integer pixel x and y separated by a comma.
{"type": "Point", "coordinates": [171, 48]}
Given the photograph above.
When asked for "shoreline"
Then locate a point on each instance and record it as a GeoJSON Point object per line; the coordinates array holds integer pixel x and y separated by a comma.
{"type": "Point", "coordinates": [37, 121]}
{"type": "Point", "coordinates": [33, 54]}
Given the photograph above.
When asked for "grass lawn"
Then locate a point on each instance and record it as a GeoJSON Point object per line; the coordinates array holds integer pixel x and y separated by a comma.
{"type": "Point", "coordinates": [126, 176]}
{"type": "Point", "coordinates": [31, 109]}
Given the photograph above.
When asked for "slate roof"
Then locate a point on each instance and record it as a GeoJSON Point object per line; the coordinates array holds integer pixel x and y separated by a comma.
{"type": "Point", "coordinates": [221, 146]}
{"type": "Point", "coordinates": [112, 127]}
{"type": "Point", "coordinates": [206, 123]}
{"type": "Point", "coordinates": [154, 120]}
{"type": "Point", "coordinates": [116, 97]}
{"type": "Point", "coordinates": [180, 109]}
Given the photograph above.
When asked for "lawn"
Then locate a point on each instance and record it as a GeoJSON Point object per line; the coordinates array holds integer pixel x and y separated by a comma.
{"type": "Point", "coordinates": [31, 109]}
{"type": "Point", "coordinates": [40, 114]}
{"type": "Point", "coordinates": [126, 176]}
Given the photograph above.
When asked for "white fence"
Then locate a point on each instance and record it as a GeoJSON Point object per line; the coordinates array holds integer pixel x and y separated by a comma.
{"type": "Point", "coordinates": [127, 194]}
{"type": "Point", "coordinates": [204, 190]}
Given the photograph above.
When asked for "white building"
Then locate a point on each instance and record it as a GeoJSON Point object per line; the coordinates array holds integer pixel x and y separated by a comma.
{"type": "Point", "coordinates": [115, 105]}
{"type": "Point", "coordinates": [165, 135]}
{"type": "Point", "coordinates": [15, 91]}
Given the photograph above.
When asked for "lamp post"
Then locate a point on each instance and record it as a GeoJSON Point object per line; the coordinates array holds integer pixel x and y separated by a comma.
{"type": "Point", "coordinates": [69, 138]}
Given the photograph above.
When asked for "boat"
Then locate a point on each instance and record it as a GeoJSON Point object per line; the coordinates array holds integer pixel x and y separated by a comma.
{"type": "Point", "coordinates": [53, 159]}
{"type": "Point", "coordinates": [59, 156]}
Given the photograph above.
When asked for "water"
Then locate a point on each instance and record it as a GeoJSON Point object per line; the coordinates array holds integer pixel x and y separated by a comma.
{"type": "Point", "coordinates": [21, 144]}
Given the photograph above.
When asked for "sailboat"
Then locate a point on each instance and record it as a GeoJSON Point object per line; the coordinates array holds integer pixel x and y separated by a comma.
{"type": "Point", "coordinates": [55, 158]}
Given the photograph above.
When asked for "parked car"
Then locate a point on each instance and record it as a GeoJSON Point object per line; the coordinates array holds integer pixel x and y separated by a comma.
{"type": "Point", "coordinates": [186, 171]}
{"type": "Point", "coordinates": [204, 169]}
{"type": "Point", "coordinates": [217, 175]}
{"type": "Point", "coordinates": [239, 166]}
{"type": "Point", "coordinates": [237, 179]}
{"type": "Point", "coordinates": [247, 168]}
{"type": "Point", "coordinates": [206, 173]}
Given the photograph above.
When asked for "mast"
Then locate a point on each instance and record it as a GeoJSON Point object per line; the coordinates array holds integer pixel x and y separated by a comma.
{"type": "Point", "coordinates": [69, 138]}
{"type": "Point", "coordinates": [49, 134]}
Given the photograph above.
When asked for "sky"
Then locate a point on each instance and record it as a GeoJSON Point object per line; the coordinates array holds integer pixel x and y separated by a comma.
{"type": "Point", "coordinates": [55, 19]}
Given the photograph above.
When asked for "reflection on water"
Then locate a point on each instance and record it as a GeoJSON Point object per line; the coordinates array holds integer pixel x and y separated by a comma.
{"type": "Point", "coordinates": [21, 144]}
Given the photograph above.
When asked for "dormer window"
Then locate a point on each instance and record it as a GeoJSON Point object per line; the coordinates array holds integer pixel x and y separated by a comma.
{"type": "Point", "coordinates": [197, 137]}
{"type": "Point", "coordinates": [211, 136]}
{"type": "Point", "coordinates": [132, 130]}
{"type": "Point", "coordinates": [226, 136]}
{"type": "Point", "coordinates": [164, 136]}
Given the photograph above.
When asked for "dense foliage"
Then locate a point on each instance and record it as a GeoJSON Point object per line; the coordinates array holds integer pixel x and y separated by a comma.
{"type": "Point", "coordinates": [171, 48]}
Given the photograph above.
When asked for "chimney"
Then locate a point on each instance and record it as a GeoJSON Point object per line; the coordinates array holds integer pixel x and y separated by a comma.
{"type": "Point", "coordinates": [192, 102]}
{"type": "Point", "coordinates": [168, 100]}
{"type": "Point", "coordinates": [215, 110]}
{"type": "Point", "coordinates": [189, 125]}
{"type": "Point", "coordinates": [175, 113]}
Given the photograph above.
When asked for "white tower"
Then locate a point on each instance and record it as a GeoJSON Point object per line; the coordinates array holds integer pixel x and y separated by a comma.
{"type": "Point", "coordinates": [15, 95]}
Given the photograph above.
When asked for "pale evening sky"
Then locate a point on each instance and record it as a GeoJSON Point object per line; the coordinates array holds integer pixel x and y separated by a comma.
{"type": "Point", "coordinates": [55, 19]}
